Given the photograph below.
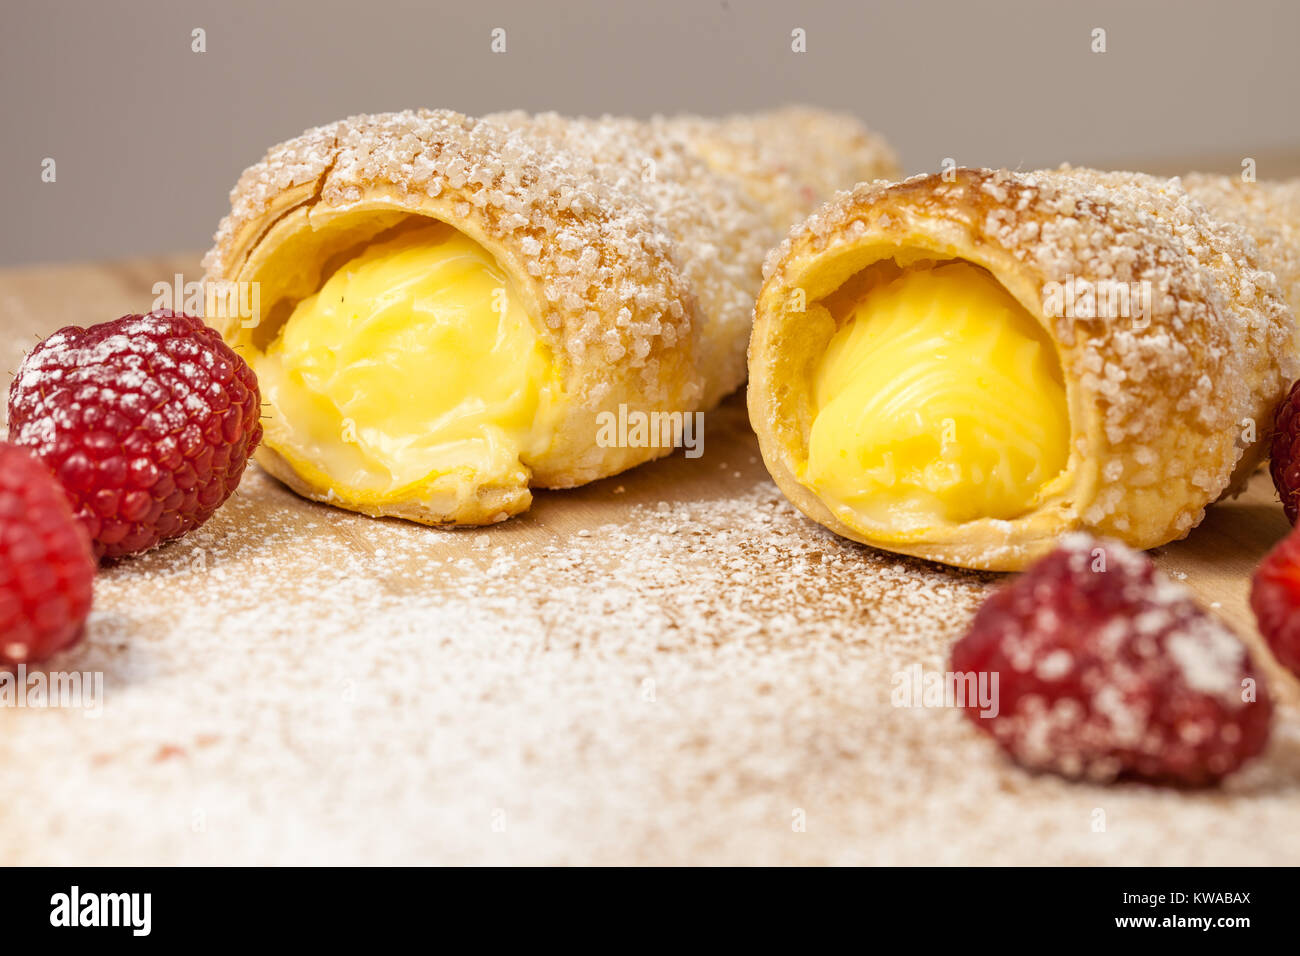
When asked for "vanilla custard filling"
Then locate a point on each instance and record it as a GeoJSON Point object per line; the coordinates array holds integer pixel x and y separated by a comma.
{"type": "Point", "coordinates": [413, 364]}
{"type": "Point", "coordinates": [939, 400]}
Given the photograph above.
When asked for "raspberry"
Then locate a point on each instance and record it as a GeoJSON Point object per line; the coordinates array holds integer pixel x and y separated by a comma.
{"type": "Point", "coordinates": [148, 420]}
{"type": "Point", "coordinates": [1106, 668]}
{"type": "Point", "coordinates": [1284, 455]}
{"type": "Point", "coordinates": [46, 566]}
{"type": "Point", "coordinates": [1275, 599]}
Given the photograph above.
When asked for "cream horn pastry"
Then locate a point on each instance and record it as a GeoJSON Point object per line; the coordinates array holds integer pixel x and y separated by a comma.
{"type": "Point", "coordinates": [964, 368]}
{"type": "Point", "coordinates": [449, 306]}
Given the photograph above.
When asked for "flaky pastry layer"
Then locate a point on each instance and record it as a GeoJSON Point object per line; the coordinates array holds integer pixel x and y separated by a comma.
{"type": "Point", "coordinates": [1167, 411]}
{"type": "Point", "coordinates": [635, 246]}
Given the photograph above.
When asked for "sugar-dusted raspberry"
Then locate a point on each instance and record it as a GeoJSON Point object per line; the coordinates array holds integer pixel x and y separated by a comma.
{"type": "Point", "coordinates": [148, 420]}
{"type": "Point", "coordinates": [1107, 668]}
{"type": "Point", "coordinates": [46, 566]}
{"type": "Point", "coordinates": [1275, 599]}
{"type": "Point", "coordinates": [1284, 454]}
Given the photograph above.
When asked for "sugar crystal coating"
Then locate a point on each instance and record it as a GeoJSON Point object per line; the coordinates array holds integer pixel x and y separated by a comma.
{"type": "Point", "coordinates": [1269, 212]}
{"type": "Point", "coordinates": [636, 247]}
{"type": "Point", "coordinates": [1172, 409]}
{"type": "Point", "coordinates": [637, 231]}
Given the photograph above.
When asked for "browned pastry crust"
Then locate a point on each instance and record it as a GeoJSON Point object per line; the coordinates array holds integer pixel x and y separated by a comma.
{"type": "Point", "coordinates": [725, 191]}
{"type": "Point", "coordinates": [790, 160]}
{"type": "Point", "coordinates": [1269, 211]}
{"type": "Point", "coordinates": [1160, 414]}
{"type": "Point", "coordinates": [640, 286]}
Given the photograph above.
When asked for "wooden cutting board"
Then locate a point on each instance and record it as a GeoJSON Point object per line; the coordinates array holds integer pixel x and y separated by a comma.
{"type": "Point", "coordinates": [668, 666]}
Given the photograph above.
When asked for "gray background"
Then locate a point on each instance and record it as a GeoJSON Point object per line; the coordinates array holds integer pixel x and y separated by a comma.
{"type": "Point", "coordinates": [149, 136]}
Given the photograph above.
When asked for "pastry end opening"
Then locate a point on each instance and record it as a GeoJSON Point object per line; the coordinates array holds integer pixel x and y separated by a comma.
{"type": "Point", "coordinates": [398, 358]}
{"type": "Point", "coordinates": [939, 400]}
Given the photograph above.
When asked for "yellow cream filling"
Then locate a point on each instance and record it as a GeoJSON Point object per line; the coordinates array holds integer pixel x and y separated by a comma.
{"type": "Point", "coordinates": [414, 364]}
{"type": "Point", "coordinates": [938, 400]}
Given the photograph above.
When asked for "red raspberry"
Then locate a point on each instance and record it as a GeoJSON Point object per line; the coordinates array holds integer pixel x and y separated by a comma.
{"type": "Point", "coordinates": [46, 566]}
{"type": "Point", "coordinates": [1106, 668]}
{"type": "Point", "coordinates": [1284, 455]}
{"type": "Point", "coordinates": [148, 420]}
{"type": "Point", "coordinates": [1275, 599]}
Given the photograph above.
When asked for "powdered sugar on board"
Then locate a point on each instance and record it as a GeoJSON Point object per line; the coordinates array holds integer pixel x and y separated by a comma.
{"type": "Point", "coordinates": [669, 666]}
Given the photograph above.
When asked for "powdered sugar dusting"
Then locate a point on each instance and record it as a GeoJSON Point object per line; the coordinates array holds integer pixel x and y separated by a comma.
{"type": "Point", "coordinates": [288, 638]}
{"type": "Point", "coordinates": [1209, 658]}
{"type": "Point", "coordinates": [1110, 667]}
{"type": "Point", "coordinates": [292, 683]}
{"type": "Point", "coordinates": [618, 676]}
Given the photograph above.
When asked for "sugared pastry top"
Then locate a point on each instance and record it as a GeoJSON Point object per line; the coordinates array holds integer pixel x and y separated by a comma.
{"type": "Point", "coordinates": [449, 306]}
{"type": "Point", "coordinates": [963, 370]}
{"type": "Point", "coordinates": [1268, 210]}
